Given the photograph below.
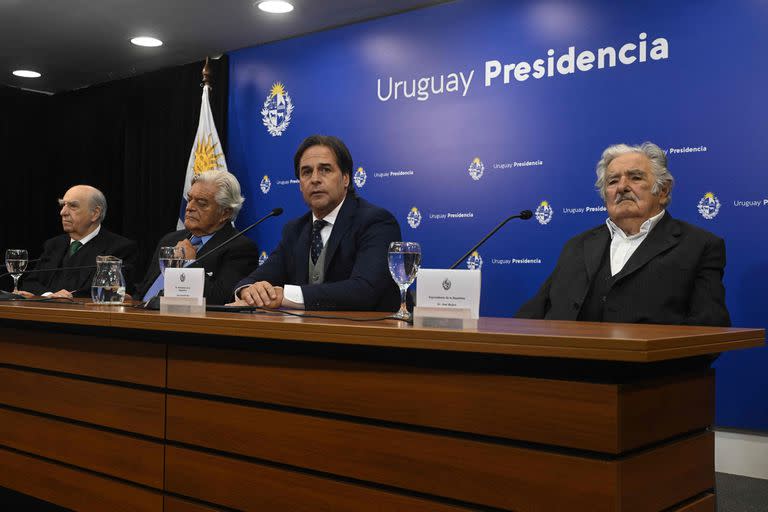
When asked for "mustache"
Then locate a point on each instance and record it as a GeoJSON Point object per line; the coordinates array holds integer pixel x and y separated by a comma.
{"type": "Point", "coordinates": [625, 196]}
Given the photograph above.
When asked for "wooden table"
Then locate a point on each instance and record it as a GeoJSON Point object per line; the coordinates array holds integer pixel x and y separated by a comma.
{"type": "Point", "coordinates": [118, 409]}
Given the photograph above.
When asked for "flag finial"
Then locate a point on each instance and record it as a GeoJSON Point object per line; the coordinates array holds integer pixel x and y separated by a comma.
{"type": "Point", "coordinates": [206, 74]}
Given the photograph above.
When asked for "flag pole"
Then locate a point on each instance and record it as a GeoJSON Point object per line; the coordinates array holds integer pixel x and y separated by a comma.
{"type": "Point", "coordinates": [206, 74]}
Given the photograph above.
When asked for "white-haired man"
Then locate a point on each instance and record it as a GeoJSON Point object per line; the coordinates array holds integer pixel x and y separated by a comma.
{"type": "Point", "coordinates": [642, 266]}
{"type": "Point", "coordinates": [213, 202]}
{"type": "Point", "coordinates": [83, 209]}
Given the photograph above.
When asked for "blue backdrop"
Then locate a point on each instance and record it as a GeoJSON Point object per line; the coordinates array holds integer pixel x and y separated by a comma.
{"type": "Point", "coordinates": [461, 114]}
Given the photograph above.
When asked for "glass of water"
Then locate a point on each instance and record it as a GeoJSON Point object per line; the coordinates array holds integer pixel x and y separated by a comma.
{"type": "Point", "coordinates": [171, 257]}
{"type": "Point", "coordinates": [16, 263]}
{"type": "Point", "coordinates": [404, 259]}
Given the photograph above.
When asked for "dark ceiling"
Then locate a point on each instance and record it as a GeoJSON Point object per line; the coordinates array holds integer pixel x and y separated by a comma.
{"type": "Point", "coordinates": [77, 43]}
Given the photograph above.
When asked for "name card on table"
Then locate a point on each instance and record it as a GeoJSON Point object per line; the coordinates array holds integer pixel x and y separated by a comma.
{"type": "Point", "coordinates": [447, 298]}
{"type": "Point", "coordinates": [183, 291]}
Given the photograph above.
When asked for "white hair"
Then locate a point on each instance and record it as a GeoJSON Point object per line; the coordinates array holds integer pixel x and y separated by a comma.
{"type": "Point", "coordinates": [228, 189]}
{"type": "Point", "coordinates": [663, 178]}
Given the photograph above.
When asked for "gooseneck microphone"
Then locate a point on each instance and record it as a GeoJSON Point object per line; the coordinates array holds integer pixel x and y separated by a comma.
{"type": "Point", "coordinates": [274, 213]}
{"type": "Point", "coordinates": [523, 215]}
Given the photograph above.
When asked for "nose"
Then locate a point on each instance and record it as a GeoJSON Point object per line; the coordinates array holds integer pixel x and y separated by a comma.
{"type": "Point", "coordinates": [63, 210]}
{"type": "Point", "coordinates": [624, 183]}
{"type": "Point", "coordinates": [315, 178]}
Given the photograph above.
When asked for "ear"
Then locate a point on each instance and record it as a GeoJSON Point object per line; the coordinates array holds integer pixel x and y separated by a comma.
{"type": "Point", "coordinates": [95, 214]}
{"type": "Point", "coordinates": [664, 196]}
{"type": "Point", "coordinates": [346, 179]}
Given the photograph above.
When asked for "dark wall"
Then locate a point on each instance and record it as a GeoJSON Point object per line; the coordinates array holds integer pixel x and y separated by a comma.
{"type": "Point", "coordinates": [130, 138]}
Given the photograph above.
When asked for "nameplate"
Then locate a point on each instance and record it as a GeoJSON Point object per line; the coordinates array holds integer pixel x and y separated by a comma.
{"type": "Point", "coordinates": [184, 282]}
{"type": "Point", "coordinates": [449, 290]}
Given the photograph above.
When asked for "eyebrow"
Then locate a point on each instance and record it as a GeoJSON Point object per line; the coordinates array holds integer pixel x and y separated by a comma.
{"type": "Point", "coordinates": [75, 203]}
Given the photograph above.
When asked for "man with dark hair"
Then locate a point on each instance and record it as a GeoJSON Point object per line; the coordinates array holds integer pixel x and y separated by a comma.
{"type": "Point", "coordinates": [83, 209]}
{"type": "Point", "coordinates": [335, 255]}
{"type": "Point", "coordinates": [642, 266]}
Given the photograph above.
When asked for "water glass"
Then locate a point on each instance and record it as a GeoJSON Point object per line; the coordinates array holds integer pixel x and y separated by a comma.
{"type": "Point", "coordinates": [16, 263]}
{"type": "Point", "coordinates": [404, 259]}
{"type": "Point", "coordinates": [171, 257]}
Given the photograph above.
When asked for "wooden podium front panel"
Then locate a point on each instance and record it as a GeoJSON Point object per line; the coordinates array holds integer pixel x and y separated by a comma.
{"type": "Point", "coordinates": [173, 504]}
{"type": "Point", "coordinates": [564, 413]}
{"type": "Point", "coordinates": [90, 356]}
{"type": "Point", "coordinates": [72, 488]}
{"type": "Point", "coordinates": [460, 468]}
{"type": "Point", "coordinates": [255, 487]}
{"type": "Point", "coordinates": [122, 456]}
{"type": "Point", "coordinates": [118, 407]}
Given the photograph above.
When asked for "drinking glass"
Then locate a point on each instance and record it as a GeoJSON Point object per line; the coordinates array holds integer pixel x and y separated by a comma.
{"type": "Point", "coordinates": [16, 263]}
{"type": "Point", "coordinates": [171, 257]}
{"type": "Point", "coordinates": [404, 259]}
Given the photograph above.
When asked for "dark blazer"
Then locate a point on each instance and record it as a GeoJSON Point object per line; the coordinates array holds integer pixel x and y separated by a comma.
{"type": "Point", "coordinates": [79, 281]}
{"type": "Point", "coordinates": [356, 271]}
{"type": "Point", "coordinates": [222, 269]}
{"type": "Point", "coordinates": [674, 277]}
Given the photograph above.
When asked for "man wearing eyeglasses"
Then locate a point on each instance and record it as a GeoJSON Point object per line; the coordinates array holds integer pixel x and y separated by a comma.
{"type": "Point", "coordinates": [83, 209]}
{"type": "Point", "coordinates": [335, 255]}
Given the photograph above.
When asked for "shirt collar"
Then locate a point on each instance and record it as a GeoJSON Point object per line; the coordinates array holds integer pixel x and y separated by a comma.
{"type": "Point", "coordinates": [90, 236]}
{"type": "Point", "coordinates": [331, 217]}
{"type": "Point", "coordinates": [645, 228]}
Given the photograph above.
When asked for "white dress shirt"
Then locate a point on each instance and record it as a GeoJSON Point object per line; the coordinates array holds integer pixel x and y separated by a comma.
{"type": "Point", "coordinates": [623, 246]}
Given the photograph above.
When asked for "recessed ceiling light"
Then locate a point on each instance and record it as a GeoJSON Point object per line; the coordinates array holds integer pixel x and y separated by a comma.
{"type": "Point", "coordinates": [146, 41]}
{"type": "Point", "coordinates": [275, 6]}
{"type": "Point", "coordinates": [26, 73]}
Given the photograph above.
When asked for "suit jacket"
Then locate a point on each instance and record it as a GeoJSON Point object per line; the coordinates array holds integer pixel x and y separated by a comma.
{"type": "Point", "coordinates": [222, 269]}
{"type": "Point", "coordinates": [356, 269]}
{"type": "Point", "coordinates": [674, 277]}
{"type": "Point", "coordinates": [79, 281]}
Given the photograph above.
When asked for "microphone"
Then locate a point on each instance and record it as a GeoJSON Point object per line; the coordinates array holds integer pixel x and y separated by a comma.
{"type": "Point", "coordinates": [154, 302]}
{"type": "Point", "coordinates": [523, 215]}
{"type": "Point", "coordinates": [8, 296]}
{"type": "Point", "coordinates": [274, 213]}
{"type": "Point", "coordinates": [55, 269]}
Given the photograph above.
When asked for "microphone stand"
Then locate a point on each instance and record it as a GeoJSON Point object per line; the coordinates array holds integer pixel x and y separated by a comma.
{"type": "Point", "coordinates": [524, 215]}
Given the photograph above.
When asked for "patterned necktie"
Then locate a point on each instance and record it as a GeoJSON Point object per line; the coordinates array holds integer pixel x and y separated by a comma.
{"type": "Point", "coordinates": [74, 247]}
{"type": "Point", "coordinates": [317, 241]}
{"type": "Point", "coordinates": [196, 242]}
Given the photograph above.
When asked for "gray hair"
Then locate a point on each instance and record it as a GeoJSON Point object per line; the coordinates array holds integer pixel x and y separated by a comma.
{"type": "Point", "coordinates": [663, 178]}
{"type": "Point", "coordinates": [99, 200]}
{"type": "Point", "coordinates": [228, 189]}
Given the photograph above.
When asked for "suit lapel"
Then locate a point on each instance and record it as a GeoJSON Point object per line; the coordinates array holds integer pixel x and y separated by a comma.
{"type": "Point", "coordinates": [664, 236]}
{"type": "Point", "coordinates": [301, 257]}
{"type": "Point", "coordinates": [594, 249]}
{"type": "Point", "coordinates": [340, 227]}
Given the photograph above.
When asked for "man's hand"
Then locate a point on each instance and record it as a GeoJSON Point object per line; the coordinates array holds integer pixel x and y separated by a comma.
{"type": "Point", "coordinates": [24, 294]}
{"type": "Point", "coordinates": [189, 250]}
{"type": "Point", "coordinates": [262, 294]}
{"type": "Point", "coordinates": [62, 294]}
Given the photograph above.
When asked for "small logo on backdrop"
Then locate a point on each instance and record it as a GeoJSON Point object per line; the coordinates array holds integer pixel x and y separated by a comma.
{"type": "Point", "coordinates": [360, 177]}
{"type": "Point", "coordinates": [414, 217]}
{"type": "Point", "coordinates": [206, 155]}
{"type": "Point", "coordinates": [182, 277]}
{"type": "Point", "coordinates": [446, 284]}
{"type": "Point", "coordinates": [709, 206]}
{"type": "Point", "coordinates": [476, 168]}
{"type": "Point", "coordinates": [544, 213]}
{"type": "Point", "coordinates": [265, 184]}
{"type": "Point", "coordinates": [277, 110]}
{"type": "Point", "coordinates": [475, 261]}
{"type": "Point", "coordinates": [263, 257]}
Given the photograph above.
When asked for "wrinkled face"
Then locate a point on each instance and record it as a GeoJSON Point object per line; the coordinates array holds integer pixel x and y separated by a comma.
{"type": "Point", "coordinates": [628, 185]}
{"type": "Point", "coordinates": [321, 181]}
{"type": "Point", "coordinates": [203, 215]}
{"type": "Point", "coordinates": [78, 217]}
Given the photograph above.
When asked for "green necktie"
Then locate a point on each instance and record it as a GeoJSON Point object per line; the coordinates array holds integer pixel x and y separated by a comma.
{"type": "Point", "coordinates": [74, 247]}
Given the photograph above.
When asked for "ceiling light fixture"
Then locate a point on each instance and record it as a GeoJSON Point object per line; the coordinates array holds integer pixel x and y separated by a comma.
{"type": "Point", "coordinates": [26, 73]}
{"type": "Point", "coordinates": [275, 6]}
{"type": "Point", "coordinates": [146, 41]}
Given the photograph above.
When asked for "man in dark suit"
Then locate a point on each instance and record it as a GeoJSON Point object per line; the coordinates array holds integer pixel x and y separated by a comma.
{"type": "Point", "coordinates": [334, 256]}
{"type": "Point", "coordinates": [213, 202]}
{"type": "Point", "coordinates": [83, 209]}
{"type": "Point", "coordinates": [644, 266]}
